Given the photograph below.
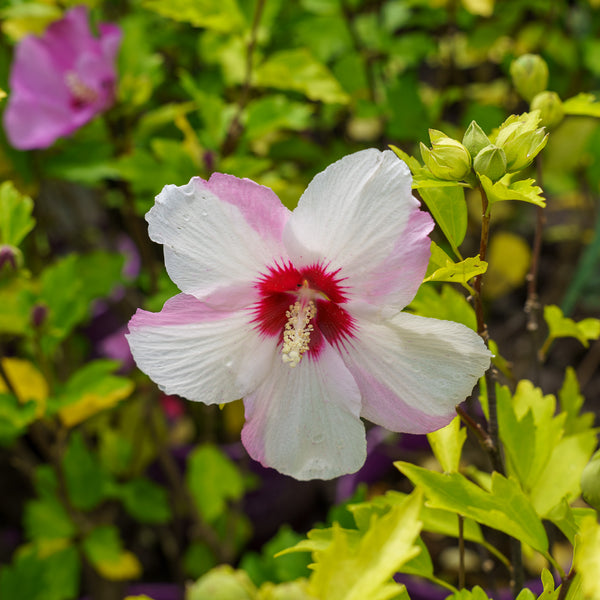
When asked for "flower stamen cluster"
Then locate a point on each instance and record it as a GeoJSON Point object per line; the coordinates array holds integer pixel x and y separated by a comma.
{"type": "Point", "coordinates": [296, 333]}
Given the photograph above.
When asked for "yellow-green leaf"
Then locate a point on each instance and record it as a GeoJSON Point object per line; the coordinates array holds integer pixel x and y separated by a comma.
{"type": "Point", "coordinates": [582, 104]}
{"type": "Point", "coordinates": [447, 444]}
{"type": "Point", "coordinates": [344, 571]}
{"type": "Point", "coordinates": [221, 15]}
{"type": "Point", "coordinates": [586, 560]}
{"type": "Point", "coordinates": [443, 268]}
{"type": "Point", "coordinates": [300, 71]}
{"type": "Point", "coordinates": [524, 190]}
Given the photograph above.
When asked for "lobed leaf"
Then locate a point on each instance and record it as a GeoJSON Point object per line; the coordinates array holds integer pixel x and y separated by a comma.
{"type": "Point", "coordinates": [505, 508]}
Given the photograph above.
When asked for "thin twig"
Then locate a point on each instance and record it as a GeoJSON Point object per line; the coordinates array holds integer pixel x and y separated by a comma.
{"type": "Point", "coordinates": [532, 304]}
{"type": "Point", "coordinates": [461, 552]}
{"type": "Point", "coordinates": [235, 128]}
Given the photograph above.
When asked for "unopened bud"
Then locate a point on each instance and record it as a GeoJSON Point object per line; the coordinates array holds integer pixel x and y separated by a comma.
{"type": "Point", "coordinates": [521, 140]}
{"type": "Point", "coordinates": [474, 139]}
{"type": "Point", "coordinates": [447, 159]}
{"type": "Point", "coordinates": [491, 162]}
{"type": "Point", "coordinates": [590, 482]}
{"type": "Point", "coordinates": [222, 583]}
{"type": "Point", "coordinates": [530, 75]}
{"type": "Point", "coordinates": [11, 258]}
{"type": "Point", "coordinates": [551, 108]}
{"type": "Point", "coordinates": [39, 313]}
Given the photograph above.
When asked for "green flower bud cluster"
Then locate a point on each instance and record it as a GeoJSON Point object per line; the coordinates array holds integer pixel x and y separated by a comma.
{"type": "Point", "coordinates": [529, 74]}
{"type": "Point", "coordinates": [551, 108]}
{"type": "Point", "coordinates": [521, 139]}
{"type": "Point", "coordinates": [447, 159]}
{"type": "Point", "coordinates": [530, 77]}
{"type": "Point", "coordinates": [488, 159]}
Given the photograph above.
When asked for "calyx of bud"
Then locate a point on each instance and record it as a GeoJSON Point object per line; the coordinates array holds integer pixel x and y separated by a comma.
{"type": "Point", "coordinates": [447, 159]}
{"type": "Point", "coordinates": [475, 139]}
{"type": "Point", "coordinates": [521, 139]}
{"type": "Point", "coordinates": [491, 162]}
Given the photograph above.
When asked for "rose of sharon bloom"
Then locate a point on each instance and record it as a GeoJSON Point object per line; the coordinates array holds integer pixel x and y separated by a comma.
{"type": "Point", "coordinates": [299, 313]}
{"type": "Point", "coordinates": [61, 80]}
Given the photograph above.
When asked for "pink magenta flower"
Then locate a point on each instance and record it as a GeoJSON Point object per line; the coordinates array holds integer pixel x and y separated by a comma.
{"type": "Point", "coordinates": [299, 313]}
{"type": "Point", "coordinates": [61, 80]}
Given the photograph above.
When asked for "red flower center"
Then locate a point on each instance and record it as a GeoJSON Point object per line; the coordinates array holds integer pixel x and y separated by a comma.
{"type": "Point", "coordinates": [300, 307]}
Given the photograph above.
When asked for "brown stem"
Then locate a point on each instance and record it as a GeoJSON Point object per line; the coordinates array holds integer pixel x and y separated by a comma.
{"type": "Point", "coordinates": [477, 283]}
{"type": "Point", "coordinates": [566, 584]}
{"type": "Point", "coordinates": [235, 128]}
{"type": "Point", "coordinates": [532, 304]}
{"type": "Point", "coordinates": [461, 552]}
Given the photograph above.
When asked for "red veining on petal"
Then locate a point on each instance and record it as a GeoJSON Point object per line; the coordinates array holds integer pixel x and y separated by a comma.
{"type": "Point", "coordinates": [283, 285]}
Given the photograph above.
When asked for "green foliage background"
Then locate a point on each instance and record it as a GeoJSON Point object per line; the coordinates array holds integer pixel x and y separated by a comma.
{"type": "Point", "coordinates": [276, 91]}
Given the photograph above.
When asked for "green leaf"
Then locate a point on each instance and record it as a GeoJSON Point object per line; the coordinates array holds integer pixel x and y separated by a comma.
{"type": "Point", "coordinates": [349, 572]}
{"type": "Point", "coordinates": [41, 575]}
{"type": "Point", "coordinates": [47, 519]}
{"type": "Point", "coordinates": [24, 578]}
{"type": "Point", "coordinates": [561, 477]}
{"type": "Point", "coordinates": [475, 594]}
{"type": "Point", "coordinates": [524, 190]}
{"type": "Point", "coordinates": [68, 288]}
{"type": "Point", "coordinates": [220, 15]}
{"type": "Point", "coordinates": [104, 549]}
{"type": "Point", "coordinates": [274, 563]}
{"type": "Point", "coordinates": [571, 402]}
{"type": "Point", "coordinates": [15, 215]}
{"type": "Point", "coordinates": [561, 326]}
{"type": "Point", "coordinates": [298, 70]}
{"type": "Point", "coordinates": [447, 444]}
{"type": "Point", "coordinates": [582, 104]}
{"type": "Point", "coordinates": [449, 209]}
{"type": "Point", "coordinates": [89, 391]}
{"type": "Point", "coordinates": [274, 113]}
{"type": "Point", "coordinates": [15, 417]}
{"type": "Point", "coordinates": [86, 482]}
{"type": "Point", "coordinates": [443, 268]}
{"type": "Point", "coordinates": [62, 574]}
{"type": "Point", "coordinates": [198, 559]}
{"type": "Point", "coordinates": [213, 479]}
{"type": "Point", "coordinates": [528, 430]}
{"type": "Point", "coordinates": [505, 508]}
{"type": "Point", "coordinates": [586, 560]}
{"type": "Point", "coordinates": [449, 304]}
{"type": "Point", "coordinates": [145, 501]}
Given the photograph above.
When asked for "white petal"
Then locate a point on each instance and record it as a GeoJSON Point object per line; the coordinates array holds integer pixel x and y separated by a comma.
{"type": "Point", "coordinates": [412, 370]}
{"type": "Point", "coordinates": [198, 352]}
{"type": "Point", "coordinates": [352, 214]}
{"type": "Point", "coordinates": [304, 421]}
{"type": "Point", "coordinates": [217, 233]}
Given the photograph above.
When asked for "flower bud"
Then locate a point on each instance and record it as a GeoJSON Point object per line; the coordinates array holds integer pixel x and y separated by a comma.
{"type": "Point", "coordinates": [491, 162]}
{"type": "Point", "coordinates": [521, 140]}
{"type": "Point", "coordinates": [474, 139]}
{"type": "Point", "coordinates": [11, 258]}
{"type": "Point", "coordinates": [551, 109]}
{"type": "Point", "coordinates": [447, 159]}
{"type": "Point", "coordinates": [530, 75]}
{"type": "Point", "coordinates": [590, 482]}
{"type": "Point", "coordinates": [222, 583]}
{"type": "Point", "coordinates": [39, 313]}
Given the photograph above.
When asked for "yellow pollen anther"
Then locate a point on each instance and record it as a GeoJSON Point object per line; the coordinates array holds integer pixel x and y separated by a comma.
{"type": "Point", "coordinates": [296, 334]}
{"type": "Point", "coordinates": [79, 89]}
